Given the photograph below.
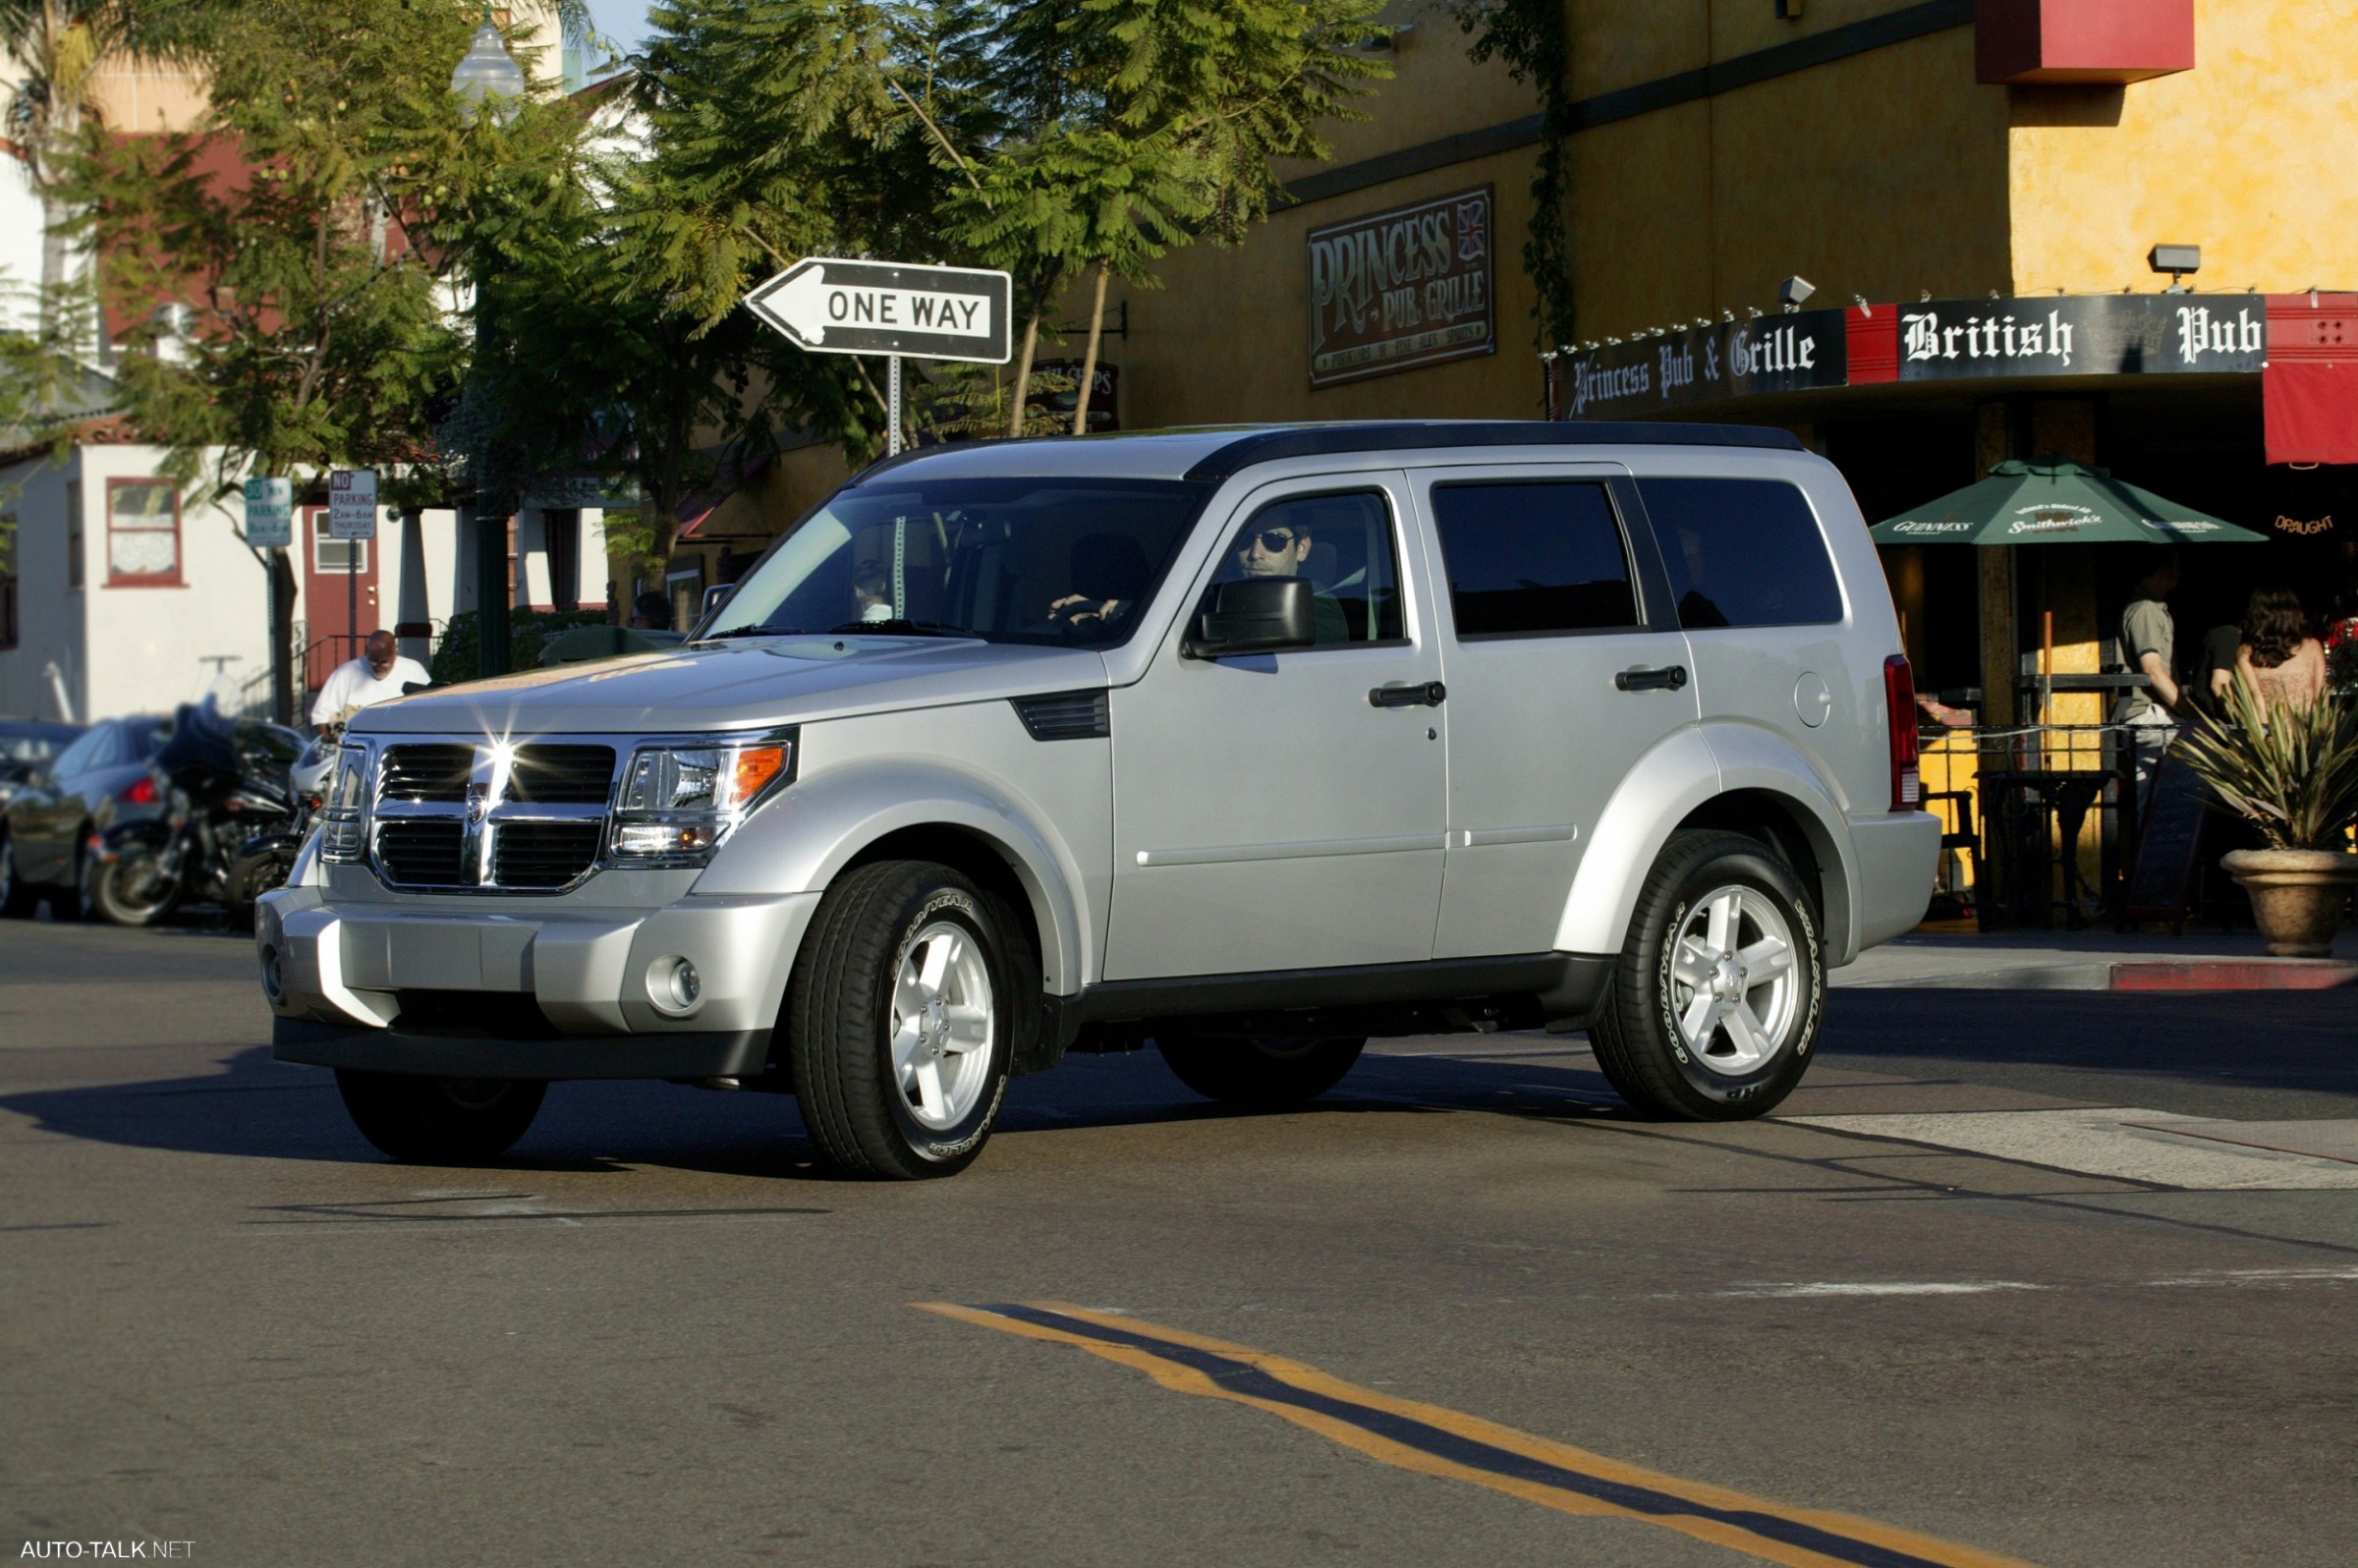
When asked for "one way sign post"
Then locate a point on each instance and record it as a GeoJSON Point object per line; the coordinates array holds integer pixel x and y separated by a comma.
{"type": "Point", "coordinates": [830, 304]}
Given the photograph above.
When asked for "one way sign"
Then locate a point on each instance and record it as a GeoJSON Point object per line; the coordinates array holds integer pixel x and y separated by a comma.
{"type": "Point", "coordinates": [841, 306]}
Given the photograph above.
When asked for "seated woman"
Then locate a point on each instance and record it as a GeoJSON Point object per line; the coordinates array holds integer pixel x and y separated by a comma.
{"type": "Point", "coordinates": [2283, 662]}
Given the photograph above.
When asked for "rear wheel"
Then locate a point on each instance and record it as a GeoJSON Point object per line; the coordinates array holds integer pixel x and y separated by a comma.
{"type": "Point", "coordinates": [1259, 1070]}
{"type": "Point", "coordinates": [1718, 999]}
{"type": "Point", "coordinates": [902, 1014]}
{"type": "Point", "coordinates": [134, 889]}
{"type": "Point", "coordinates": [439, 1121]}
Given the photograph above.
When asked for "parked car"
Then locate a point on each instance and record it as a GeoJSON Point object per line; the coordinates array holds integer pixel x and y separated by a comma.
{"type": "Point", "coordinates": [102, 777]}
{"type": "Point", "coordinates": [26, 746]}
{"type": "Point", "coordinates": [1251, 744]}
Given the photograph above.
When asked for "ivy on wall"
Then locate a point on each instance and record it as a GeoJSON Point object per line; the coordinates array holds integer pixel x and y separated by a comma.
{"type": "Point", "coordinates": [1533, 38]}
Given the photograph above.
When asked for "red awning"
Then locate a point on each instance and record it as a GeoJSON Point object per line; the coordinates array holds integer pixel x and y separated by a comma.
{"type": "Point", "coordinates": [2309, 387]}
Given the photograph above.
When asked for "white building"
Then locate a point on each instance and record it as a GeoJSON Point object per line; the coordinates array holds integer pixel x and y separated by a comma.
{"type": "Point", "coordinates": [120, 593]}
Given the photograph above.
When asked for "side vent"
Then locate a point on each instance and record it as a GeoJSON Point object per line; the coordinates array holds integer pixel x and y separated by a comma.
{"type": "Point", "coordinates": [1066, 716]}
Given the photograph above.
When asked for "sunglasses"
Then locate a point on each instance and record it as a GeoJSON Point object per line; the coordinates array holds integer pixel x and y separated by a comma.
{"type": "Point", "coordinates": [1272, 541]}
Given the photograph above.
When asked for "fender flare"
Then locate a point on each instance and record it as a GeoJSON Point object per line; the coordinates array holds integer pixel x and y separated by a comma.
{"type": "Point", "coordinates": [801, 841]}
{"type": "Point", "coordinates": [1684, 773]}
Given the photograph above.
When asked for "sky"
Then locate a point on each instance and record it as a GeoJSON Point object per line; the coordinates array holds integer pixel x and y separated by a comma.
{"type": "Point", "coordinates": [623, 20]}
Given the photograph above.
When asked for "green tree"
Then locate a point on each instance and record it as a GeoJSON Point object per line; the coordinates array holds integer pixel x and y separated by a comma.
{"type": "Point", "coordinates": [1133, 126]}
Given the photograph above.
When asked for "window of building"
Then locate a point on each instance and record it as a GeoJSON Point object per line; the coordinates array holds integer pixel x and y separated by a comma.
{"type": "Point", "coordinates": [8, 580]}
{"type": "Point", "coordinates": [73, 535]}
{"type": "Point", "coordinates": [1342, 543]}
{"type": "Point", "coordinates": [330, 554]}
{"type": "Point", "coordinates": [1742, 552]}
{"type": "Point", "coordinates": [1537, 557]}
{"type": "Point", "coordinates": [142, 533]}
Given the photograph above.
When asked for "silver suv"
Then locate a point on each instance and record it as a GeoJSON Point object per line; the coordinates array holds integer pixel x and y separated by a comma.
{"type": "Point", "coordinates": [1253, 743]}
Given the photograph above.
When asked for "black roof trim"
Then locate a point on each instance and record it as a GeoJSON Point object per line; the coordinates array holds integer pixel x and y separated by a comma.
{"type": "Point", "coordinates": [1270, 446]}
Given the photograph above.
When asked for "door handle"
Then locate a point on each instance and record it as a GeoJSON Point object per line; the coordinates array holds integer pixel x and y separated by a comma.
{"type": "Point", "coordinates": [1670, 678]}
{"type": "Point", "coordinates": [1409, 694]}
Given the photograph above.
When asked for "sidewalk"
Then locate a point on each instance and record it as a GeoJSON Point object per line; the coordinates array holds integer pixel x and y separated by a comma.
{"type": "Point", "coordinates": [2093, 960]}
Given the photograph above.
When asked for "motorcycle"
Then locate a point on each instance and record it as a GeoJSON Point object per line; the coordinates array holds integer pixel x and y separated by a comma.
{"type": "Point", "coordinates": [229, 786]}
{"type": "Point", "coordinates": [266, 859]}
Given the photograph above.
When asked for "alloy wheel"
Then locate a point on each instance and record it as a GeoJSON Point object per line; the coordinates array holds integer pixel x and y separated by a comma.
{"type": "Point", "coordinates": [1735, 988]}
{"type": "Point", "coordinates": [941, 1026]}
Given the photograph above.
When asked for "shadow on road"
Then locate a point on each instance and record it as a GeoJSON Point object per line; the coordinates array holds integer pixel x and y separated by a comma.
{"type": "Point", "coordinates": [255, 1107]}
{"type": "Point", "coordinates": [2214, 1053]}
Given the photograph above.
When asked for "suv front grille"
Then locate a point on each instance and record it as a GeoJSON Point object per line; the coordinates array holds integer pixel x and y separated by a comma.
{"type": "Point", "coordinates": [544, 854]}
{"type": "Point", "coordinates": [423, 851]}
{"type": "Point", "coordinates": [424, 773]}
{"type": "Point", "coordinates": [460, 815]}
{"type": "Point", "coordinates": [583, 775]}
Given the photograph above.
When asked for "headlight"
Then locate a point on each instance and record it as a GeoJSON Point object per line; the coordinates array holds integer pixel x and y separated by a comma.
{"type": "Point", "coordinates": [680, 800]}
{"type": "Point", "coordinates": [344, 819]}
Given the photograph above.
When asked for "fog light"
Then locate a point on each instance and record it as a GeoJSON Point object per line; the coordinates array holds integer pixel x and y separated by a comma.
{"type": "Point", "coordinates": [674, 987]}
{"type": "Point", "coordinates": [274, 980]}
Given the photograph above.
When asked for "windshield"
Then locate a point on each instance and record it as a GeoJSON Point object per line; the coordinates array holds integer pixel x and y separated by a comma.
{"type": "Point", "coordinates": [1055, 561]}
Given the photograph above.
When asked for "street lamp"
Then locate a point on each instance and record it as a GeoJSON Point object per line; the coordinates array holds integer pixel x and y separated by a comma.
{"type": "Point", "coordinates": [487, 71]}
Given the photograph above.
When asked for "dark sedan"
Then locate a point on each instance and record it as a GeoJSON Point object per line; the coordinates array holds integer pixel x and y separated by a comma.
{"type": "Point", "coordinates": [46, 831]}
{"type": "Point", "coordinates": [26, 746]}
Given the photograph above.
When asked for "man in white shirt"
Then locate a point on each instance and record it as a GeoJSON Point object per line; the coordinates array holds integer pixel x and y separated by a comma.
{"type": "Point", "coordinates": [377, 675]}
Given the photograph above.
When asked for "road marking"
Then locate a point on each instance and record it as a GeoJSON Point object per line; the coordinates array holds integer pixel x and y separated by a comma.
{"type": "Point", "coordinates": [1922, 1287]}
{"type": "Point", "coordinates": [1433, 1441]}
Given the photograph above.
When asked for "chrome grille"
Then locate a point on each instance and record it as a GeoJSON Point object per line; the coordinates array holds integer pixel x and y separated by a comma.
{"type": "Point", "coordinates": [478, 817]}
{"type": "Point", "coordinates": [544, 854]}
{"type": "Point", "coordinates": [424, 773]}
{"type": "Point", "coordinates": [423, 851]}
{"type": "Point", "coordinates": [583, 775]}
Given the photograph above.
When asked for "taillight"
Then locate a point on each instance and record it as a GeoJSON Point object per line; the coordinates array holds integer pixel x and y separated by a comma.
{"type": "Point", "coordinates": [1899, 700]}
{"type": "Point", "coordinates": [141, 793]}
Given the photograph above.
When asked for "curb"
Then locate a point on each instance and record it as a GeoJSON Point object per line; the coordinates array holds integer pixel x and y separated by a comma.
{"type": "Point", "coordinates": [2227, 974]}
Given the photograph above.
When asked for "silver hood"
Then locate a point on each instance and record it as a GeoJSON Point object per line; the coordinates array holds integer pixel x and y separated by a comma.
{"type": "Point", "coordinates": [752, 684]}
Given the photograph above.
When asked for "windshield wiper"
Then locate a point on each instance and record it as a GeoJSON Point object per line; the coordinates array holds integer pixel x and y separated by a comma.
{"type": "Point", "coordinates": [899, 628]}
{"type": "Point", "coordinates": [753, 631]}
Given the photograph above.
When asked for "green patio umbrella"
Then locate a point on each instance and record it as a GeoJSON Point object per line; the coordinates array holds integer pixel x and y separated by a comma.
{"type": "Point", "coordinates": [2056, 501]}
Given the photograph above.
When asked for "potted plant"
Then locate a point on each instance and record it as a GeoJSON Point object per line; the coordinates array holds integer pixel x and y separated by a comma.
{"type": "Point", "coordinates": [2292, 771]}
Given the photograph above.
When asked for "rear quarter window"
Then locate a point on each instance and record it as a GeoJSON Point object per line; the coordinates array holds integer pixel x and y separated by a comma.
{"type": "Point", "coordinates": [1742, 552]}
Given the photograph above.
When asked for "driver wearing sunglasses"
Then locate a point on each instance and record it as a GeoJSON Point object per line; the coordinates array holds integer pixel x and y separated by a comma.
{"type": "Point", "coordinates": [1283, 549]}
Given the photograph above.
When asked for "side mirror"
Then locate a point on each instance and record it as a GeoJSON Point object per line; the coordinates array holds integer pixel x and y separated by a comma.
{"type": "Point", "coordinates": [1257, 615]}
{"type": "Point", "coordinates": [413, 688]}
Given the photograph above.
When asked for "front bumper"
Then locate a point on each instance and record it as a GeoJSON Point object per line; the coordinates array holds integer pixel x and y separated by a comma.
{"type": "Point", "coordinates": [544, 991]}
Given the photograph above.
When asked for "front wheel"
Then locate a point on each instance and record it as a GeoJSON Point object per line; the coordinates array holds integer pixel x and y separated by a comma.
{"type": "Point", "coordinates": [439, 1121]}
{"type": "Point", "coordinates": [134, 889]}
{"type": "Point", "coordinates": [903, 1004]}
{"type": "Point", "coordinates": [1720, 990]}
{"type": "Point", "coordinates": [1265, 1071]}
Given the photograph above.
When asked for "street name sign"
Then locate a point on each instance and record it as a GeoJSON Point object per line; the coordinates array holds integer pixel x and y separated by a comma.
{"type": "Point", "coordinates": [270, 514]}
{"type": "Point", "coordinates": [351, 504]}
{"type": "Point", "coordinates": [834, 306]}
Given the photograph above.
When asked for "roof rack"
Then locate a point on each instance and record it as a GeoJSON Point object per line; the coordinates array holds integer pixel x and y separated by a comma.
{"type": "Point", "coordinates": [1268, 446]}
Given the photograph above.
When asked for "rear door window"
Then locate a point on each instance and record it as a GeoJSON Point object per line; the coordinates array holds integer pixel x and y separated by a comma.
{"type": "Point", "coordinates": [1531, 558]}
{"type": "Point", "coordinates": [1742, 552]}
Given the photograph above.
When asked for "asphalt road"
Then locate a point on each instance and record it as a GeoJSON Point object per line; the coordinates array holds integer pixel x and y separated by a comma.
{"type": "Point", "coordinates": [1464, 1311]}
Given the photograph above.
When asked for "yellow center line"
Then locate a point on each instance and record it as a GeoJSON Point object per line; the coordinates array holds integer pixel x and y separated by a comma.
{"type": "Point", "coordinates": [1431, 1440]}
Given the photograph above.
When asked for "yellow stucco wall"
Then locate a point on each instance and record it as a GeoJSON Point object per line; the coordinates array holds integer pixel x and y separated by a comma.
{"type": "Point", "coordinates": [1878, 175]}
{"type": "Point", "coordinates": [2251, 155]}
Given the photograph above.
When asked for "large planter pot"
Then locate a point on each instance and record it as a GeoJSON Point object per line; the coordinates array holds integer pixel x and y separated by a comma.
{"type": "Point", "coordinates": [2297, 896]}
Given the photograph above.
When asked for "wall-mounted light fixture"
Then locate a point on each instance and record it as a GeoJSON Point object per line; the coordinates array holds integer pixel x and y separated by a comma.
{"type": "Point", "coordinates": [2177, 260]}
{"type": "Point", "coordinates": [1793, 290]}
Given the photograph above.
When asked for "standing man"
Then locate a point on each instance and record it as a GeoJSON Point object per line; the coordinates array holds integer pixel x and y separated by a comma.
{"type": "Point", "coordinates": [376, 674]}
{"type": "Point", "coordinates": [2147, 638]}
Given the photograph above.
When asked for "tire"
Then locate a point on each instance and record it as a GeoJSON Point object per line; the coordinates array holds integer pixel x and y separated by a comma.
{"type": "Point", "coordinates": [891, 1083]}
{"type": "Point", "coordinates": [125, 892]}
{"type": "Point", "coordinates": [1715, 1037]}
{"type": "Point", "coordinates": [18, 901]}
{"type": "Point", "coordinates": [439, 1121]}
{"type": "Point", "coordinates": [1263, 1070]}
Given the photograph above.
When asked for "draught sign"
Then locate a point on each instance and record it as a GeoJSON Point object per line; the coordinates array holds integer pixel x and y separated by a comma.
{"type": "Point", "coordinates": [841, 306]}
